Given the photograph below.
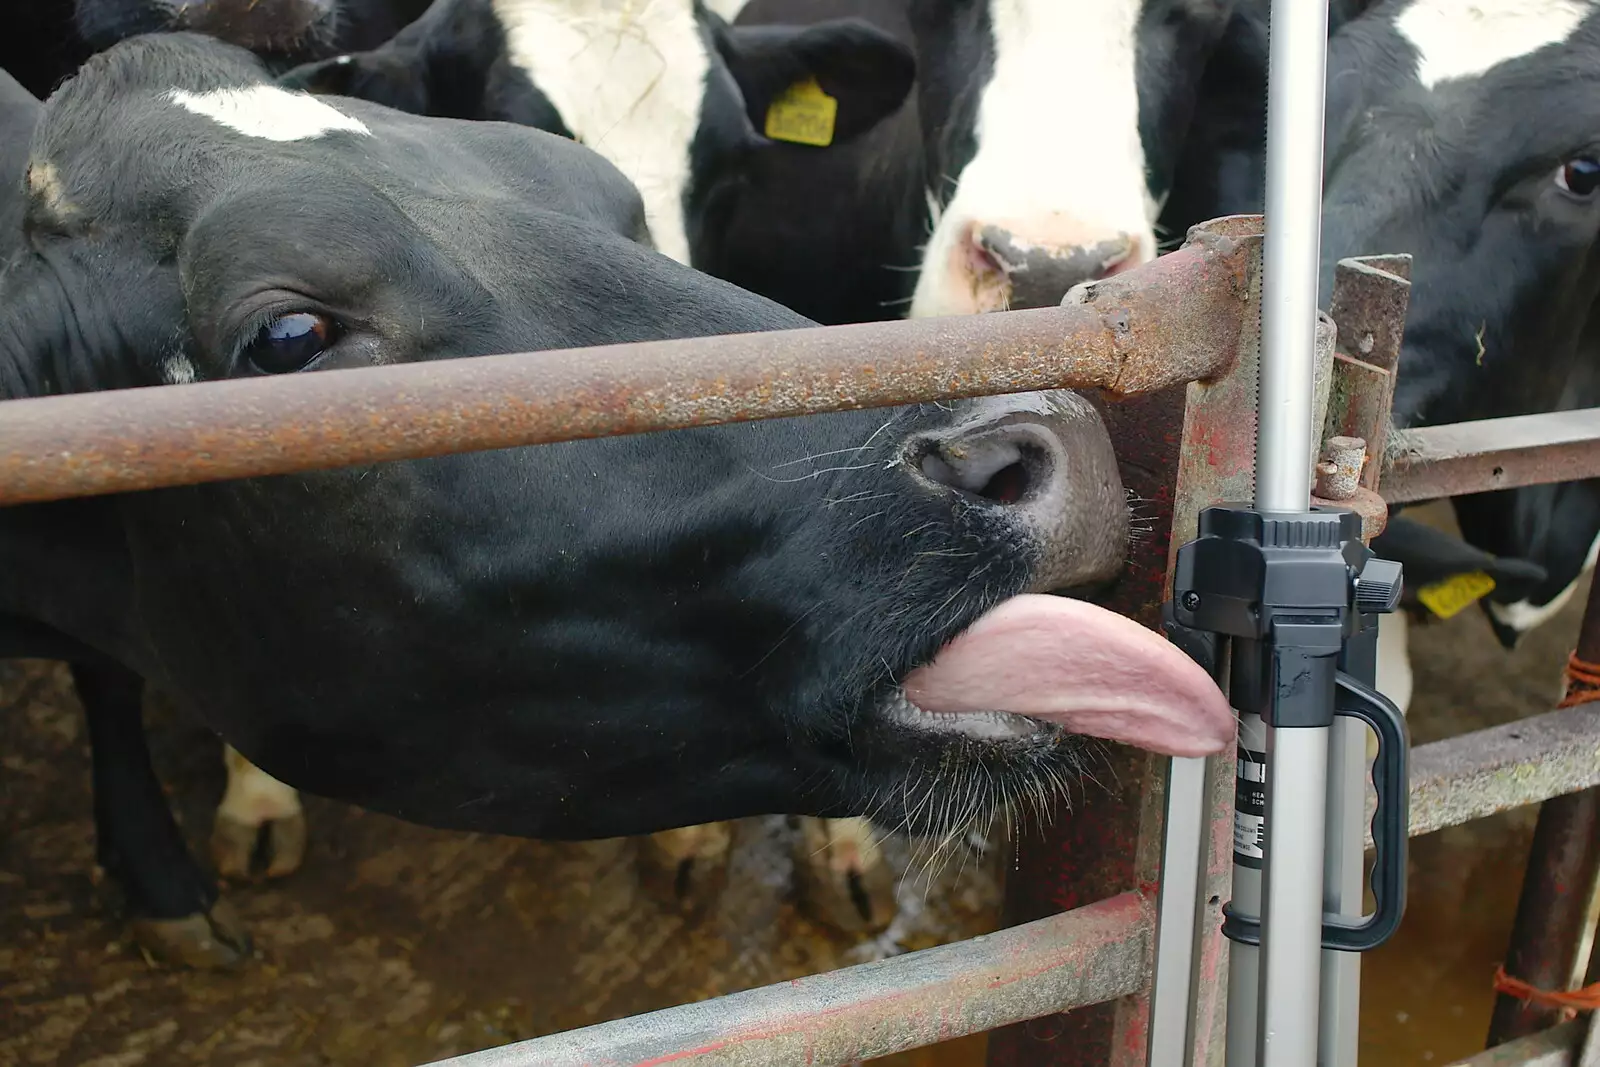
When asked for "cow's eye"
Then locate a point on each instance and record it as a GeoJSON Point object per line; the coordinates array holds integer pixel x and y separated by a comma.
{"type": "Point", "coordinates": [289, 342]}
{"type": "Point", "coordinates": [1580, 176]}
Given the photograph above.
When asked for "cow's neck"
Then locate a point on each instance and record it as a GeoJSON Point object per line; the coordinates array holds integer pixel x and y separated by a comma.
{"type": "Point", "coordinates": [64, 571]}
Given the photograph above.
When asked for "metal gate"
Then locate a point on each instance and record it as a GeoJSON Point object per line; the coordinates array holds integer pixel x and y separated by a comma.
{"type": "Point", "coordinates": [1172, 346]}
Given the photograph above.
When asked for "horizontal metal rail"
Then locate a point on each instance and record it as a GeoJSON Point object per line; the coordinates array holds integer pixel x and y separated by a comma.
{"type": "Point", "coordinates": [1475, 457]}
{"type": "Point", "coordinates": [1173, 320]}
{"type": "Point", "coordinates": [1483, 773]}
{"type": "Point", "coordinates": [1067, 961]}
{"type": "Point", "coordinates": [1086, 956]}
{"type": "Point", "coordinates": [1558, 1046]}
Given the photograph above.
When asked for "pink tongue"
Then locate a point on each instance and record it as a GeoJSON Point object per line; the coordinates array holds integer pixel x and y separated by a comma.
{"type": "Point", "coordinates": [1086, 668]}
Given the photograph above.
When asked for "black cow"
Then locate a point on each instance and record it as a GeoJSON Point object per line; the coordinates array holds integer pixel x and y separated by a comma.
{"type": "Point", "coordinates": [832, 232]}
{"type": "Point", "coordinates": [589, 639]}
{"type": "Point", "coordinates": [46, 40]}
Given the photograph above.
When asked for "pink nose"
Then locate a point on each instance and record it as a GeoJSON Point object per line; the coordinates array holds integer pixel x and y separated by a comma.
{"type": "Point", "coordinates": [1039, 274]}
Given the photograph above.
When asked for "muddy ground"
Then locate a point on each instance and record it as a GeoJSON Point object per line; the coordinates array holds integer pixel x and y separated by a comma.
{"type": "Point", "coordinates": [396, 945]}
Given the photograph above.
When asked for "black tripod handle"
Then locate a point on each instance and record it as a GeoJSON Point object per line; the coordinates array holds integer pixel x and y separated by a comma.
{"type": "Point", "coordinates": [1390, 828]}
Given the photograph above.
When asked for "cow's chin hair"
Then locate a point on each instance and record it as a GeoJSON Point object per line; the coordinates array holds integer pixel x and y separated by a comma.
{"type": "Point", "coordinates": [952, 775]}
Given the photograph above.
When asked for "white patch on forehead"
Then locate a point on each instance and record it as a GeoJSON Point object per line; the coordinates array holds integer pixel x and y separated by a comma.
{"type": "Point", "coordinates": [267, 112]}
{"type": "Point", "coordinates": [1059, 160]}
{"type": "Point", "coordinates": [1456, 39]}
{"type": "Point", "coordinates": [627, 77]}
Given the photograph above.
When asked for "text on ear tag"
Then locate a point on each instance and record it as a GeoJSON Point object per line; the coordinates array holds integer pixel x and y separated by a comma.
{"type": "Point", "coordinates": [803, 114]}
{"type": "Point", "coordinates": [1446, 598]}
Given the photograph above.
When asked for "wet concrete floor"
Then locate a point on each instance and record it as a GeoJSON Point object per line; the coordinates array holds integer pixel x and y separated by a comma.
{"type": "Point", "coordinates": [396, 945]}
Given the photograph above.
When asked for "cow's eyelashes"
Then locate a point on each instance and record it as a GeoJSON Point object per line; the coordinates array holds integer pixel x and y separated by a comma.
{"type": "Point", "coordinates": [289, 342]}
{"type": "Point", "coordinates": [1580, 176]}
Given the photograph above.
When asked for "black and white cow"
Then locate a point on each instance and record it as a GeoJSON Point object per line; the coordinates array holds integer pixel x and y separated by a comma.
{"type": "Point", "coordinates": [1471, 139]}
{"type": "Point", "coordinates": [677, 98]}
{"type": "Point", "coordinates": [1049, 134]}
{"type": "Point", "coordinates": [666, 91]}
{"type": "Point", "coordinates": [589, 639]}
{"type": "Point", "coordinates": [1017, 216]}
{"type": "Point", "coordinates": [46, 40]}
{"type": "Point", "coordinates": [1468, 136]}
{"type": "Point", "coordinates": [1051, 131]}
{"type": "Point", "coordinates": [673, 97]}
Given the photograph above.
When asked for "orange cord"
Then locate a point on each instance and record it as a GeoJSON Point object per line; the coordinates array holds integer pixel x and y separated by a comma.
{"type": "Point", "coordinates": [1585, 999]}
{"type": "Point", "coordinates": [1583, 682]}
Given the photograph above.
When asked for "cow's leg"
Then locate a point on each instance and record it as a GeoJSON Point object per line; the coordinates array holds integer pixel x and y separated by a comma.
{"type": "Point", "coordinates": [172, 905]}
{"type": "Point", "coordinates": [688, 866]}
{"type": "Point", "coordinates": [844, 879]}
{"type": "Point", "coordinates": [256, 809]}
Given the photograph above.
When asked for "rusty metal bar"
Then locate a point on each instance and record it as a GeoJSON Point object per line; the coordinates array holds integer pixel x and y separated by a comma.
{"type": "Point", "coordinates": [1475, 457]}
{"type": "Point", "coordinates": [1088, 956]}
{"type": "Point", "coordinates": [1173, 320]}
{"type": "Point", "coordinates": [1554, 930]}
{"type": "Point", "coordinates": [1556, 1047]}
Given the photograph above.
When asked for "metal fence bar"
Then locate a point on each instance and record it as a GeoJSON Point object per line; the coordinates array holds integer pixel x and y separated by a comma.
{"type": "Point", "coordinates": [1088, 956]}
{"type": "Point", "coordinates": [1476, 457]}
{"type": "Point", "coordinates": [1489, 771]}
{"type": "Point", "coordinates": [1094, 954]}
{"type": "Point", "coordinates": [1552, 939]}
{"type": "Point", "coordinates": [1166, 322]}
{"type": "Point", "coordinates": [1555, 1047]}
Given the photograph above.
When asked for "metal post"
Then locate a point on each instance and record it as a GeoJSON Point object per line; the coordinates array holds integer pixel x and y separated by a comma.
{"type": "Point", "coordinates": [1172, 1000]}
{"type": "Point", "coordinates": [1553, 937]}
{"type": "Point", "coordinates": [1285, 437]}
{"type": "Point", "coordinates": [1286, 982]}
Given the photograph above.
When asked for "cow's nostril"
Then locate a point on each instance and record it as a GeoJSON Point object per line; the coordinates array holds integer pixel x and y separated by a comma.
{"type": "Point", "coordinates": [1009, 484]}
{"type": "Point", "coordinates": [995, 470]}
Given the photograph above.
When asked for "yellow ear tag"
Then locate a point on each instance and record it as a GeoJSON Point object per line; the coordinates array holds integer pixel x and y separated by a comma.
{"type": "Point", "coordinates": [803, 114]}
{"type": "Point", "coordinates": [1448, 597]}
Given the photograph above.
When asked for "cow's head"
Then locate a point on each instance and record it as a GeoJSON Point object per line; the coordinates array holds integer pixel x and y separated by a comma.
{"type": "Point", "coordinates": [1051, 133]}
{"type": "Point", "coordinates": [1470, 138]}
{"type": "Point", "coordinates": [811, 615]}
{"type": "Point", "coordinates": [667, 91]}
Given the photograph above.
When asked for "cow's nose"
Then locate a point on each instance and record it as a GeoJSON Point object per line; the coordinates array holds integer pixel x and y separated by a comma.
{"type": "Point", "coordinates": [1039, 273]}
{"type": "Point", "coordinates": [1043, 466]}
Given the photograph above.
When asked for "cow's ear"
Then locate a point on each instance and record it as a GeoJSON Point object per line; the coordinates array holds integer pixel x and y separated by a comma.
{"type": "Point", "coordinates": [830, 82]}
{"type": "Point", "coordinates": [394, 77]}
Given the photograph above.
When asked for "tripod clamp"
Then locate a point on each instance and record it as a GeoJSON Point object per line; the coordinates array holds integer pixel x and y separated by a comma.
{"type": "Point", "coordinates": [1292, 590]}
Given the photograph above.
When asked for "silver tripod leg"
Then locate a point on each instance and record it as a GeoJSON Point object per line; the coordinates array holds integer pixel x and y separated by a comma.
{"type": "Point", "coordinates": [1291, 928]}
{"type": "Point", "coordinates": [1342, 889]}
{"type": "Point", "coordinates": [1172, 993]}
{"type": "Point", "coordinates": [1288, 992]}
